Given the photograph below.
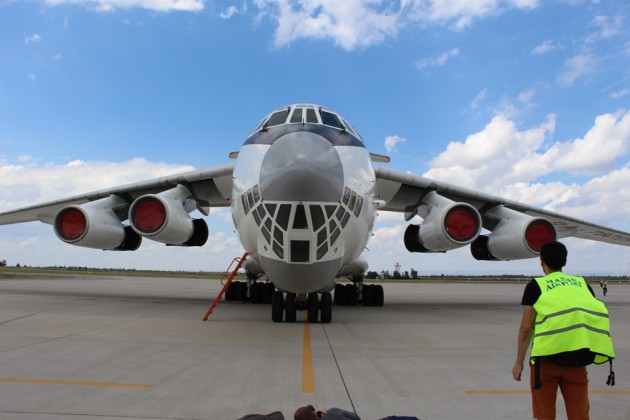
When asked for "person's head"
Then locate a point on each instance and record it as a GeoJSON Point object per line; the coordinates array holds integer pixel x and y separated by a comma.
{"type": "Point", "coordinates": [554, 255]}
{"type": "Point", "coordinates": [306, 413]}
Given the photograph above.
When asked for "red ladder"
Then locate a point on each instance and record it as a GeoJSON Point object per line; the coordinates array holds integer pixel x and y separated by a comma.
{"type": "Point", "coordinates": [240, 261]}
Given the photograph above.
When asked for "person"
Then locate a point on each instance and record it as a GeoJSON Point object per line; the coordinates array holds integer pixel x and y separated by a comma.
{"type": "Point", "coordinates": [605, 286]}
{"type": "Point", "coordinates": [309, 413]}
{"type": "Point", "coordinates": [568, 329]}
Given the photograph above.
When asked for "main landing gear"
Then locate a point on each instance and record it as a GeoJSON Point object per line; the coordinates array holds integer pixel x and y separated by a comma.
{"type": "Point", "coordinates": [289, 305]}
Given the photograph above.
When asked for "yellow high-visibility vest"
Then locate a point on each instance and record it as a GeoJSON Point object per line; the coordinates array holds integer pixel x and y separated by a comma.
{"type": "Point", "coordinates": [569, 318]}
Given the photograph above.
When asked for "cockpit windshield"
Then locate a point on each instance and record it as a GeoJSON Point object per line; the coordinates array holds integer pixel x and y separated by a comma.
{"type": "Point", "coordinates": [306, 114]}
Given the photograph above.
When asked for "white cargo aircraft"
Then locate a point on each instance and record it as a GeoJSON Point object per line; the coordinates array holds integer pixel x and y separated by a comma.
{"type": "Point", "coordinates": [304, 197]}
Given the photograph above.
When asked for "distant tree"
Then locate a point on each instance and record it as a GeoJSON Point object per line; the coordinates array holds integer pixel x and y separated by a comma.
{"type": "Point", "coordinates": [414, 274]}
{"type": "Point", "coordinates": [396, 275]}
{"type": "Point", "coordinates": [372, 275]}
{"type": "Point", "coordinates": [3, 263]}
{"type": "Point", "coordinates": [406, 276]}
{"type": "Point", "coordinates": [18, 265]}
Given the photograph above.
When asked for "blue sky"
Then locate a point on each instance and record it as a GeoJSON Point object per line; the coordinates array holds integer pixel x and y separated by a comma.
{"type": "Point", "coordinates": [525, 99]}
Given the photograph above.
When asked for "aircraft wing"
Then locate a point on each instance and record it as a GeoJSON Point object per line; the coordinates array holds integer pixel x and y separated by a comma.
{"type": "Point", "coordinates": [211, 187]}
{"type": "Point", "coordinates": [403, 192]}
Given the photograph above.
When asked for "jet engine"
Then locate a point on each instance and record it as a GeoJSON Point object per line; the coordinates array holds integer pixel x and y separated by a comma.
{"type": "Point", "coordinates": [447, 225]}
{"type": "Point", "coordinates": [516, 237]}
{"type": "Point", "coordinates": [165, 218]}
{"type": "Point", "coordinates": [96, 225]}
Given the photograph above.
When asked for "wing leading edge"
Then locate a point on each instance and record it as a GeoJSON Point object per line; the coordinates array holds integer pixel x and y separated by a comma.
{"type": "Point", "coordinates": [403, 192]}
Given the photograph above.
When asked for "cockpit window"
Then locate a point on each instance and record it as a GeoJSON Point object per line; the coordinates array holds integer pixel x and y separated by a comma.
{"type": "Point", "coordinates": [278, 117]}
{"type": "Point", "coordinates": [297, 115]}
{"type": "Point", "coordinates": [331, 119]}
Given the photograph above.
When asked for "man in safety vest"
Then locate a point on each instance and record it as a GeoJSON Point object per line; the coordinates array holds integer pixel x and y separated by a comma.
{"type": "Point", "coordinates": [569, 329]}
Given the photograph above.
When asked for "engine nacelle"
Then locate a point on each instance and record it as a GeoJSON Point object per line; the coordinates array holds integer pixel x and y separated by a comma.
{"type": "Point", "coordinates": [516, 237]}
{"type": "Point", "coordinates": [165, 218]}
{"type": "Point", "coordinates": [95, 225]}
{"type": "Point", "coordinates": [447, 225]}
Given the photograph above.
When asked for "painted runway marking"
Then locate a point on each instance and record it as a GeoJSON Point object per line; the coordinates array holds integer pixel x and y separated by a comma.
{"type": "Point", "coordinates": [80, 383]}
{"type": "Point", "coordinates": [499, 392]}
{"type": "Point", "coordinates": [308, 384]}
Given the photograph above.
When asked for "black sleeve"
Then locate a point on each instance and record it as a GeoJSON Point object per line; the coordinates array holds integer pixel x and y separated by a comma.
{"type": "Point", "coordinates": [590, 289]}
{"type": "Point", "coordinates": [531, 293]}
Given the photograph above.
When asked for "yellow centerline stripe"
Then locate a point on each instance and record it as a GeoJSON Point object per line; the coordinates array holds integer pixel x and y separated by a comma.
{"type": "Point", "coordinates": [308, 384]}
{"type": "Point", "coordinates": [81, 383]}
{"type": "Point", "coordinates": [499, 392]}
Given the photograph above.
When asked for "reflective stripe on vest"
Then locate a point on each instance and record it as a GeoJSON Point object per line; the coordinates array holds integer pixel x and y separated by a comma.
{"type": "Point", "coordinates": [569, 318]}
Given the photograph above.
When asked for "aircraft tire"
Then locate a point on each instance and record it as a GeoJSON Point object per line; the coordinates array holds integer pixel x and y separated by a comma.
{"type": "Point", "coordinates": [229, 293]}
{"type": "Point", "coordinates": [255, 292]}
{"type": "Point", "coordinates": [290, 310]}
{"type": "Point", "coordinates": [379, 295]}
{"type": "Point", "coordinates": [267, 293]}
{"type": "Point", "coordinates": [368, 294]}
{"type": "Point", "coordinates": [326, 310]}
{"type": "Point", "coordinates": [352, 295]}
{"type": "Point", "coordinates": [340, 294]}
{"type": "Point", "coordinates": [313, 310]}
{"type": "Point", "coordinates": [277, 306]}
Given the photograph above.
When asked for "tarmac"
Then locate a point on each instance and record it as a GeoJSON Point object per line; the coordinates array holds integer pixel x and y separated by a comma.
{"type": "Point", "coordinates": [96, 347]}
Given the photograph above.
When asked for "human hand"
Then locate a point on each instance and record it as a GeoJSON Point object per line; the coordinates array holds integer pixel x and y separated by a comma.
{"type": "Point", "coordinates": [517, 370]}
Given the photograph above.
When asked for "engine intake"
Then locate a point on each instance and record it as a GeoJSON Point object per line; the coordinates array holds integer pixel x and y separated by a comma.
{"type": "Point", "coordinates": [516, 237]}
{"type": "Point", "coordinates": [95, 225]}
{"type": "Point", "coordinates": [165, 218]}
{"type": "Point", "coordinates": [447, 225]}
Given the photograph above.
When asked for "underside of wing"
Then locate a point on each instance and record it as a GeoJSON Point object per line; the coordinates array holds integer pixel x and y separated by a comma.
{"type": "Point", "coordinates": [453, 217]}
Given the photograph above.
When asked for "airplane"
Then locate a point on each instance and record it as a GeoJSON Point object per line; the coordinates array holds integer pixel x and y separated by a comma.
{"type": "Point", "coordinates": [304, 195]}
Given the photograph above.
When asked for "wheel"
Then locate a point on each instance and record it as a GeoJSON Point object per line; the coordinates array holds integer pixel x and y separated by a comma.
{"type": "Point", "coordinates": [267, 294]}
{"type": "Point", "coordinates": [326, 310]}
{"type": "Point", "coordinates": [379, 295]}
{"type": "Point", "coordinates": [352, 295]}
{"type": "Point", "coordinates": [229, 293]}
{"type": "Point", "coordinates": [290, 310]}
{"type": "Point", "coordinates": [340, 294]}
{"type": "Point", "coordinates": [255, 292]}
{"type": "Point", "coordinates": [368, 294]}
{"type": "Point", "coordinates": [313, 311]}
{"type": "Point", "coordinates": [277, 306]}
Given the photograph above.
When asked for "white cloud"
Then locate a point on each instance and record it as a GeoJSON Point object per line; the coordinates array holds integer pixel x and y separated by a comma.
{"type": "Point", "coordinates": [32, 182]}
{"type": "Point", "coordinates": [577, 67]}
{"type": "Point", "coordinates": [437, 61]}
{"type": "Point", "coordinates": [156, 5]}
{"type": "Point", "coordinates": [607, 27]}
{"type": "Point", "coordinates": [620, 93]}
{"type": "Point", "coordinates": [545, 47]}
{"type": "Point", "coordinates": [32, 38]}
{"type": "Point", "coordinates": [505, 161]}
{"type": "Point", "coordinates": [391, 143]}
{"type": "Point", "coordinates": [481, 97]}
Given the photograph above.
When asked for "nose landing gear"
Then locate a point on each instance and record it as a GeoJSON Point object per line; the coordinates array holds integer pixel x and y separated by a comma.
{"type": "Point", "coordinates": [287, 307]}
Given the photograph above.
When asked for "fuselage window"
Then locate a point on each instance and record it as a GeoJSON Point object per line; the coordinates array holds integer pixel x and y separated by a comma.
{"type": "Point", "coordinates": [311, 117]}
{"type": "Point", "coordinates": [297, 115]}
{"type": "Point", "coordinates": [278, 250]}
{"type": "Point", "coordinates": [353, 200]}
{"type": "Point", "coordinates": [278, 236]}
{"type": "Point", "coordinates": [299, 221]}
{"type": "Point", "coordinates": [321, 251]}
{"type": "Point", "coordinates": [331, 119]}
{"type": "Point", "coordinates": [245, 203]}
{"type": "Point", "coordinates": [300, 251]}
{"type": "Point", "coordinates": [278, 117]}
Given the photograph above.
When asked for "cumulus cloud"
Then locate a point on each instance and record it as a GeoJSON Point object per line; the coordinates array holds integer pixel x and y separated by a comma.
{"type": "Point", "coordinates": [503, 160]}
{"type": "Point", "coordinates": [156, 5]}
{"type": "Point", "coordinates": [391, 143]}
{"type": "Point", "coordinates": [437, 61]}
{"type": "Point", "coordinates": [356, 24]}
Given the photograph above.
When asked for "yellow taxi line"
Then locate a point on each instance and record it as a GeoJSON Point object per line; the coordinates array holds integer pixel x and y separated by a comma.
{"type": "Point", "coordinates": [308, 383]}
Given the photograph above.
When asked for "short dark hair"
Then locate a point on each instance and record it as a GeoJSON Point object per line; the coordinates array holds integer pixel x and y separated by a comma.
{"type": "Point", "coordinates": [554, 254]}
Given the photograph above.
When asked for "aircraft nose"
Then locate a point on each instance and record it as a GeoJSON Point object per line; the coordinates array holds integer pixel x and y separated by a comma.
{"type": "Point", "coordinates": [301, 166]}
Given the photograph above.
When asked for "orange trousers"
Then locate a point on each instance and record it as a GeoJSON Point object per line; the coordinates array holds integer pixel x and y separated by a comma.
{"type": "Point", "coordinates": [573, 383]}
